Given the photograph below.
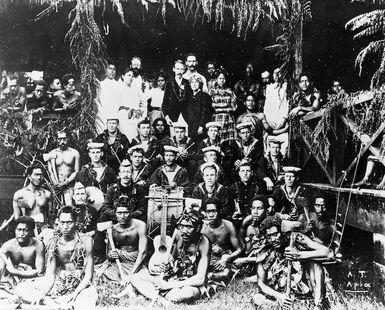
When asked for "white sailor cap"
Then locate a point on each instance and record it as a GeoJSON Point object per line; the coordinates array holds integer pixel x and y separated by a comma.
{"type": "Point", "coordinates": [179, 125]}
{"type": "Point", "coordinates": [125, 163]}
{"type": "Point", "coordinates": [94, 145]}
{"type": "Point", "coordinates": [209, 165]}
{"type": "Point", "coordinates": [211, 148]}
{"type": "Point", "coordinates": [170, 148]}
{"type": "Point", "coordinates": [244, 125]}
{"type": "Point", "coordinates": [272, 139]}
{"type": "Point", "coordinates": [137, 147]}
{"type": "Point", "coordinates": [213, 124]}
{"type": "Point", "coordinates": [291, 169]}
{"type": "Point", "coordinates": [244, 162]}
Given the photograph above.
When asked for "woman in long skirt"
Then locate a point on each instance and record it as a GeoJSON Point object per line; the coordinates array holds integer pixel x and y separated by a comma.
{"type": "Point", "coordinates": [224, 105]}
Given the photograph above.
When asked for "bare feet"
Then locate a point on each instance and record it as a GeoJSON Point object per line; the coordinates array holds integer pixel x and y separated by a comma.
{"type": "Point", "coordinates": [381, 186]}
{"type": "Point", "coordinates": [363, 182]}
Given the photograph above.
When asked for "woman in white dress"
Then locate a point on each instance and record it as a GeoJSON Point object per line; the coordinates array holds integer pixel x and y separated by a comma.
{"type": "Point", "coordinates": [155, 99]}
{"type": "Point", "coordinates": [129, 105]}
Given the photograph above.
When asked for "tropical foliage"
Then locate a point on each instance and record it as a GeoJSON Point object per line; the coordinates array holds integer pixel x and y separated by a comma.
{"type": "Point", "coordinates": [371, 26]}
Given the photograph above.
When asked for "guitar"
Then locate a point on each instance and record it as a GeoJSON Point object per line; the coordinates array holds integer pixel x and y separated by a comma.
{"type": "Point", "coordinates": [162, 243]}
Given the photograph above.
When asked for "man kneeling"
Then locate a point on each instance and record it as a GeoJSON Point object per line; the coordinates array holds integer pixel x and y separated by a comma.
{"type": "Point", "coordinates": [273, 270]}
{"type": "Point", "coordinates": [183, 278]}
{"type": "Point", "coordinates": [21, 257]}
{"type": "Point", "coordinates": [70, 268]}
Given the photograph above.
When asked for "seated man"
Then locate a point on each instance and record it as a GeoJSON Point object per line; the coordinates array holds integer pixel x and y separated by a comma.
{"type": "Point", "coordinates": [68, 100]}
{"type": "Point", "coordinates": [185, 276]}
{"type": "Point", "coordinates": [211, 188]}
{"type": "Point", "coordinates": [270, 282]}
{"type": "Point", "coordinates": [33, 200]}
{"type": "Point", "coordinates": [286, 194]}
{"type": "Point", "coordinates": [307, 98]}
{"type": "Point", "coordinates": [249, 234]}
{"type": "Point", "coordinates": [319, 223]}
{"type": "Point", "coordinates": [224, 241]}
{"type": "Point", "coordinates": [130, 239]}
{"type": "Point", "coordinates": [244, 190]}
{"type": "Point", "coordinates": [126, 189]}
{"type": "Point", "coordinates": [213, 139]}
{"type": "Point", "coordinates": [70, 268]}
{"type": "Point", "coordinates": [21, 257]}
{"type": "Point", "coordinates": [115, 142]}
{"type": "Point", "coordinates": [211, 154]}
{"type": "Point", "coordinates": [274, 161]}
{"type": "Point", "coordinates": [87, 215]}
{"type": "Point", "coordinates": [151, 146]}
{"type": "Point", "coordinates": [187, 148]}
{"type": "Point", "coordinates": [141, 171]}
{"type": "Point", "coordinates": [170, 174]}
{"type": "Point", "coordinates": [96, 173]}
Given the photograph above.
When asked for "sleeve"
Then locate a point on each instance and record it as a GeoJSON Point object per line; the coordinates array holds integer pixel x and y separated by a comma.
{"type": "Point", "coordinates": [107, 211]}
{"type": "Point", "coordinates": [166, 99]}
{"type": "Point", "coordinates": [155, 178]}
{"type": "Point", "coordinates": [227, 204]}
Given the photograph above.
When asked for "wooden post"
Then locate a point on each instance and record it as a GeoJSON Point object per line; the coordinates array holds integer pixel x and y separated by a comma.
{"type": "Point", "coordinates": [298, 55]}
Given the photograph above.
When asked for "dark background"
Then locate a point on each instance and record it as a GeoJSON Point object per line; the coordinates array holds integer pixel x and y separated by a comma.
{"type": "Point", "coordinates": [329, 50]}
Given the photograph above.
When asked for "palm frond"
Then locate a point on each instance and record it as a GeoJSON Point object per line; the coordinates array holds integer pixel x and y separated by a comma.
{"type": "Point", "coordinates": [372, 48]}
{"type": "Point", "coordinates": [366, 19]}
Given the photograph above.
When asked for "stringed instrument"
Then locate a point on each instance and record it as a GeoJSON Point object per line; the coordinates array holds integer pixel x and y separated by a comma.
{"type": "Point", "coordinates": [162, 243]}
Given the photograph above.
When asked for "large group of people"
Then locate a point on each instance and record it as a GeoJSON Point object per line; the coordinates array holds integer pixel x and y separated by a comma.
{"type": "Point", "coordinates": [225, 148]}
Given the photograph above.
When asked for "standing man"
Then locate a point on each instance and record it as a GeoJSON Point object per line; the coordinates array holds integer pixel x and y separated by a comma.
{"type": "Point", "coordinates": [70, 269]}
{"type": "Point", "coordinates": [211, 75]}
{"type": "Point", "coordinates": [63, 166]}
{"type": "Point", "coordinates": [175, 94]}
{"type": "Point", "coordinates": [115, 143]}
{"type": "Point", "coordinates": [191, 64]}
{"type": "Point", "coordinates": [14, 97]}
{"type": "Point", "coordinates": [33, 200]}
{"type": "Point", "coordinates": [96, 173]}
{"type": "Point", "coordinates": [224, 241]}
{"type": "Point", "coordinates": [108, 98]}
{"type": "Point", "coordinates": [39, 102]}
{"type": "Point", "coordinates": [265, 79]}
{"type": "Point", "coordinates": [185, 276]}
{"type": "Point", "coordinates": [139, 83]}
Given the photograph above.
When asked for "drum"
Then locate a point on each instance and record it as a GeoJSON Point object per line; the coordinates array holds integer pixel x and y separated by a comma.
{"type": "Point", "coordinates": [154, 210]}
{"type": "Point", "coordinates": [95, 197]}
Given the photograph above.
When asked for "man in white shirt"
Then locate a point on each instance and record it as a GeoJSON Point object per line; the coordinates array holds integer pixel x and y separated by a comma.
{"type": "Point", "coordinates": [108, 98]}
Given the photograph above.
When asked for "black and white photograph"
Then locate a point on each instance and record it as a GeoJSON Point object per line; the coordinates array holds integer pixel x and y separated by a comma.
{"type": "Point", "coordinates": [192, 154]}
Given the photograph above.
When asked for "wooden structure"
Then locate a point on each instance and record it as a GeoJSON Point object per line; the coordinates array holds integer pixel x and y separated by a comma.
{"type": "Point", "coordinates": [364, 208]}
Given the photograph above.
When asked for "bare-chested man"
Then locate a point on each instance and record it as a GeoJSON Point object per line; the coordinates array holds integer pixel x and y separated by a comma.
{"type": "Point", "coordinates": [63, 166]}
{"type": "Point", "coordinates": [185, 276]}
{"type": "Point", "coordinates": [22, 256]}
{"type": "Point", "coordinates": [130, 238]}
{"type": "Point", "coordinates": [225, 244]}
{"type": "Point", "coordinates": [33, 200]}
{"type": "Point", "coordinates": [70, 268]}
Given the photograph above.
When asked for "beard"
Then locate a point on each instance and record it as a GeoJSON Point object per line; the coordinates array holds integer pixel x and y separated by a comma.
{"type": "Point", "coordinates": [137, 72]}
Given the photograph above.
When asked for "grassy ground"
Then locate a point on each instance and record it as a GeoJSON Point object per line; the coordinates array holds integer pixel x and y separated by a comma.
{"type": "Point", "coordinates": [236, 296]}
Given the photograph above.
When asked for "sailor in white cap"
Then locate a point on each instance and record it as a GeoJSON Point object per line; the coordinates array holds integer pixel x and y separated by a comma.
{"type": "Point", "coordinates": [141, 171]}
{"type": "Point", "coordinates": [186, 147]}
{"type": "Point", "coordinates": [210, 188]}
{"type": "Point", "coordinates": [170, 174]}
{"type": "Point", "coordinates": [96, 173]}
{"type": "Point", "coordinates": [287, 193]}
{"type": "Point", "coordinates": [275, 161]}
{"type": "Point", "coordinates": [211, 154]}
{"type": "Point", "coordinates": [115, 143]}
{"type": "Point", "coordinates": [212, 139]}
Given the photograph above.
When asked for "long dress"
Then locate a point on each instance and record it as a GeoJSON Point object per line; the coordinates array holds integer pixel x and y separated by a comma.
{"type": "Point", "coordinates": [108, 101]}
{"type": "Point", "coordinates": [224, 105]}
{"type": "Point", "coordinates": [129, 110]}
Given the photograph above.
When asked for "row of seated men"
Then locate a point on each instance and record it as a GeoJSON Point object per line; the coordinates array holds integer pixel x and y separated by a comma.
{"type": "Point", "coordinates": [206, 246]}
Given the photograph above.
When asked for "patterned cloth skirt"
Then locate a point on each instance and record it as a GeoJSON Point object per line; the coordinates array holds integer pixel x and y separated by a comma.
{"type": "Point", "coordinates": [228, 131]}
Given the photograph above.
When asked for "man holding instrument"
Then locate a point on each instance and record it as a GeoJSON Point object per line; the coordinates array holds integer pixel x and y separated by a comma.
{"type": "Point", "coordinates": [33, 200]}
{"type": "Point", "coordinates": [275, 271]}
{"type": "Point", "coordinates": [130, 245]}
{"type": "Point", "coordinates": [116, 143]}
{"type": "Point", "coordinates": [185, 276]}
